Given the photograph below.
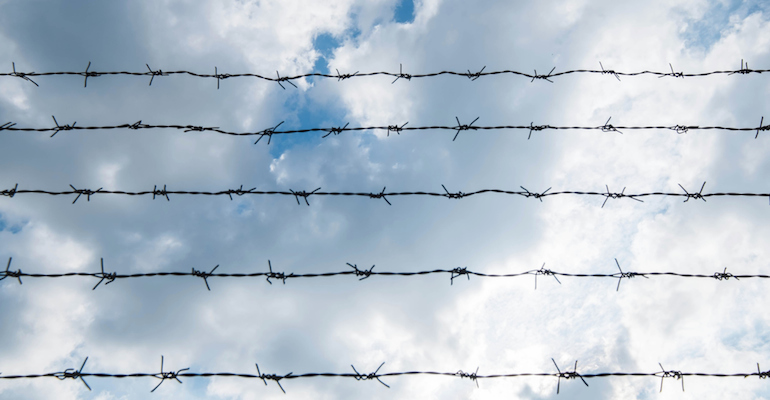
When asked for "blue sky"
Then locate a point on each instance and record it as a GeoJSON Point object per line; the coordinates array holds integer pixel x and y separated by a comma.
{"type": "Point", "coordinates": [411, 324]}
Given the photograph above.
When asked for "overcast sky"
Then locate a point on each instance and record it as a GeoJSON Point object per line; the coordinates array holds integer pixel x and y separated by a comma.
{"type": "Point", "coordinates": [423, 323]}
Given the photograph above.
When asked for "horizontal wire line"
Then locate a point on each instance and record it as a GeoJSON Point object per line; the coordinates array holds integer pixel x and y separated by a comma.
{"type": "Point", "coordinates": [72, 373]}
{"type": "Point", "coordinates": [269, 132]}
{"type": "Point", "coordinates": [297, 194]}
{"type": "Point", "coordinates": [365, 273]}
{"type": "Point", "coordinates": [744, 70]}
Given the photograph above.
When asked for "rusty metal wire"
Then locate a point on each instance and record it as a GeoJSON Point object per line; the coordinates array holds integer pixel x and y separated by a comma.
{"type": "Point", "coordinates": [744, 70]}
{"type": "Point", "coordinates": [367, 273]}
{"type": "Point", "coordinates": [334, 131]}
{"type": "Point", "coordinates": [376, 375]}
{"type": "Point", "coordinates": [305, 195]}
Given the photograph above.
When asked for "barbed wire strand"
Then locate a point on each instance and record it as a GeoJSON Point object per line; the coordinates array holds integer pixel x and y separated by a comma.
{"type": "Point", "coordinates": [473, 76]}
{"type": "Point", "coordinates": [72, 373]}
{"type": "Point", "coordinates": [334, 131]}
{"type": "Point", "coordinates": [364, 273]}
{"type": "Point", "coordinates": [297, 194]}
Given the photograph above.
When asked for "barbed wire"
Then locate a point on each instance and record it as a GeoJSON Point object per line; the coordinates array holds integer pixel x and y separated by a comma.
{"type": "Point", "coordinates": [396, 128]}
{"type": "Point", "coordinates": [297, 194]}
{"type": "Point", "coordinates": [473, 76]}
{"type": "Point", "coordinates": [72, 373]}
{"type": "Point", "coordinates": [365, 273]}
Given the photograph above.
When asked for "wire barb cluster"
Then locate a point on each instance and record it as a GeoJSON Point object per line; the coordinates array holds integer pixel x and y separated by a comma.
{"type": "Point", "coordinates": [362, 274]}
{"type": "Point", "coordinates": [744, 70]}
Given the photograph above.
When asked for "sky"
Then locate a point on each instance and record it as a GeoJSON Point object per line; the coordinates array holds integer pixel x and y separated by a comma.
{"type": "Point", "coordinates": [417, 323]}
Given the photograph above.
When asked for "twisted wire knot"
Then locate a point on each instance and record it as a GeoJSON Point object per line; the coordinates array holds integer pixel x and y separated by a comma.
{"type": "Point", "coordinates": [137, 125]}
{"type": "Point", "coordinates": [272, 377]}
{"type": "Point", "coordinates": [268, 132]}
{"type": "Point", "coordinates": [536, 76]}
{"type": "Point", "coordinates": [761, 128]}
{"type": "Point", "coordinates": [22, 75]}
{"type": "Point", "coordinates": [370, 376]}
{"type": "Point", "coordinates": [365, 273]}
{"type": "Point", "coordinates": [695, 196]}
{"type": "Point", "coordinates": [607, 127]}
{"type": "Point", "coordinates": [335, 131]}
{"type": "Point", "coordinates": [535, 128]}
{"type": "Point", "coordinates": [342, 77]}
{"type": "Point", "coordinates": [7, 125]}
{"type": "Point", "coordinates": [609, 71]}
{"type": "Point", "coordinates": [472, 376]}
{"type": "Point", "coordinates": [10, 192]}
{"type": "Point", "coordinates": [724, 275]}
{"type": "Point", "coordinates": [567, 375]}
{"type": "Point", "coordinates": [543, 271]}
{"type": "Point", "coordinates": [239, 191]}
{"type": "Point", "coordinates": [276, 275]}
{"type": "Point", "coordinates": [460, 127]}
{"type": "Point", "coordinates": [220, 76]}
{"type": "Point", "coordinates": [673, 74]}
{"type": "Point", "coordinates": [72, 373]}
{"type": "Point", "coordinates": [86, 192]}
{"type": "Point", "coordinates": [458, 195]}
{"type": "Point", "coordinates": [303, 194]}
{"type": "Point", "coordinates": [110, 277]}
{"type": "Point", "coordinates": [284, 79]}
{"type": "Point", "coordinates": [743, 70]}
{"type": "Point", "coordinates": [167, 375]}
{"type": "Point", "coordinates": [401, 74]}
{"type": "Point", "coordinates": [205, 275]}
{"type": "Point", "coordinates": [191, 128]}
{"type": "Point", "coordinates": [458, 272]}
{"type": "Point", "coordinates": [536, 195]}
{"type": "Point", "coordinates": [154, 73]}
{"type": "Point", "coordinates": [380, 195]}
{"type": "Point", "coordinates": [87, 74]}
{"type": "Point", "coordinates": [59, 128]}
{"type": "Point", "coordinates": [156, 192]}
{"type": "Point", "coordinates": [669, 374]}
{"type": "Point", "coordinates": [10, 274]}
{"type": "Point", "coordinates": [476, 75]}
{"type": "Point", "coordinates": [680, 129]}
{"type": "Point", "coordinates": [396, 128]}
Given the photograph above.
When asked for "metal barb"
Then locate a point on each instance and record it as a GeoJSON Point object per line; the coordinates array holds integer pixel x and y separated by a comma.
{"type": "Point", "coordinates": [396, 128]}
{"type": "Point", "coordinates": [110, 277]}
{"type": "Point", "coordinates": [221, 76]}
{"type": "Point", "coordinates": [472, 376]}
{"type": "Point", "coordinates": [380, 195]}
{"type": "Point", "coordinates": [762, 128]}
{"type": "Point", "coordinates": [626, 275]}
{"type": "Point", "coordinates": [268, 132]}
{"type": "Point", "coordinates": [191, 128]}
{"type": "Point", "coordinates": [284, 79]}
{"type": "Point", "coordinates": [458, 272]}
{"type": "Point", "coordinates": [303, 194]}
{"type": "Point", "coordinates": [156, 192]}
{"type": "Point", "coordinates": [724, 275]}
{"type": "Point", "coordinates": [680, 129]}
{"type": "Point", "coordinates": [535, 128]}
{"type": "Point", "coordinates": [335, 131]}
{"type": "Point", "coordinates": [61, 127]}
{"type": "Point", "coordinates": [9, 192]}
{"type": "Point", "coordinates": [673, 74]}
{"type": "Point", "coordinates": [205, 275]}
{"type": "Point", "coordinates": [669, 374]}
{"type": "Point", "coordinates": [743, 70]}
{"type": "Point", "coordinates": [73, 373]}
{"type": "Point", "coordinates": [460, 127]}
{"type": "Point", "coordinates": [365, 273]}
{"type": "Point", "coordinates": [154, 73]}
{"type": "Point", "coordinates": [239, 191]}
{"type": "Point", "coordinates": [89, 74]}
{"type": "Point", "coordinates": [567, 375]}
{"type": "Point", "coordinates": [536, 76]}
{"type": "Point", "coordinates": [609, 71]}
{"type": "Point", "coordinates": [86, 192]}
{"type": "Point", "coordinates": [7, 125]}
{"type": "Point", "coordinates": [458, 195]}
{"type": "Point", "coordinates": [696, 196]}
{"type": "Point", "coordinates": [272, 377]}
{"type": "Point", "coordinates": [401, 74]}
{"type": "Point", "coordinates": [22, 75]}
{"type": "Point", "coordinates": [137, 125]}
{"type": "Point", "coordinates": [276, 275]}
{"type": "Point", "coordinates": [166, 375]}
{"type": "Point", "coordinates": [543, 271]}
{"type": "Point", "coordinates": [607, 127]}
{"type": "Point", "coordinates": [10, 274]}
{"type": "Point", "coordinates": [371, 376]}
{"type": "Point", "coordinates": [476, 75]}
{"type": "Point", "coordinates": [342, 77]}
{"type": "Point", "coordinates": [534, 194]}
